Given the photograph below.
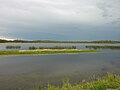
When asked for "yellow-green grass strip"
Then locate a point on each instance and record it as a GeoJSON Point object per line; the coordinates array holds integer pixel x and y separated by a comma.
{"type": "Point", "coordinates": [45, 51]}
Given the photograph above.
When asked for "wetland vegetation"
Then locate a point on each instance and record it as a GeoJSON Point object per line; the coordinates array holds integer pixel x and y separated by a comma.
{"type": "Point", "coordinates": [45, 51]}
{"type": "Point", "coordinates": [103, 47]}
{"type": "Point", "coordinates": [13, 47]}
{"type": "Point", "coordinates": [55, 47]}
{"type": "Point", "coordinates": [109, 82]}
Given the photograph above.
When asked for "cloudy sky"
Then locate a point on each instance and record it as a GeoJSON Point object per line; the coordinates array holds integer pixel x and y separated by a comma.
{"type": "Point", "coordinates": [60, 19]}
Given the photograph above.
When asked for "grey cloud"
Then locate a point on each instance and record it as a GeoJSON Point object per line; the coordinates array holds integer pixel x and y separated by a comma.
{"type": "Point", "coordinates": [105, 8]}
{"type": "Point", "coordinates": [116, 22]}
{"type": "Point", "coordinates": [57, 17]}
{"type": "Point", "coordinates": [110, 11]}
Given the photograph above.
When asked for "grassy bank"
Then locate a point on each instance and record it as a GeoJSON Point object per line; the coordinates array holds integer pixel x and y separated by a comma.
{"type": "Point", "coordinates": [45, 51]}
{"type": "Point", "coordinates": [109, 82]}
{"type": "Point", "coordinates": [103, 47]}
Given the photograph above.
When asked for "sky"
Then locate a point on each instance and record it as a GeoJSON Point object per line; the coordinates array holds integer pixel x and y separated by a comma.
{"type": "Point", "coordinates": [60, 19]}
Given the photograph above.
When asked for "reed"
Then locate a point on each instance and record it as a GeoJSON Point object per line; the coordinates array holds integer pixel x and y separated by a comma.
{"type": "Point", "coordinates": [103, 47]}
{"type": "Point", "coordinates": [13, 47]}
{"type": "Point", "coordinates": [55, 47]}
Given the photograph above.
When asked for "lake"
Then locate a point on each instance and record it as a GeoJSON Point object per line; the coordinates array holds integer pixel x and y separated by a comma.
{"type": "Point", "coordinates": [29, 71]}
{"type": "Point", "coordinates": [25, 46]}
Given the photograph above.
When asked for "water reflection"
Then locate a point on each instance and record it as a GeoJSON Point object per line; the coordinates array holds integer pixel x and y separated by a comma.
{"type": "Point", "coordinates": [29, 71]}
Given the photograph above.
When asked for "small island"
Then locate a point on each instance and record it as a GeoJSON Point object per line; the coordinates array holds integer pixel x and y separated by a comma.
{"type": "Point", "coordinates": [45, 51]}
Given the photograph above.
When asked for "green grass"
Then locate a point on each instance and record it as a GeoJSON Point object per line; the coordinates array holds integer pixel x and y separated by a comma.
{"type": "Point", "coordinates": [45, 51]}
{"type": "Point", "coordinates": [110, 82]}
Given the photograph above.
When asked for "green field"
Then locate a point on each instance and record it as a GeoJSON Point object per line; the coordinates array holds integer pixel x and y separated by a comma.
{"type": "Point", "coordinates": [45, 51]}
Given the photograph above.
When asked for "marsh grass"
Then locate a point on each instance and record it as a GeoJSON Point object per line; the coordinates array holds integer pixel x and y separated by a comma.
{"type": "Point", "coordinates": [55, 47]}
{"type": "Point", "coordinates": [109, 82]}
{"type": "Point", "coordinates": [13, 47]}
{"type": "Point", "coordinates": [45, 51]}
{"type": "Point", "coordinates": [103, 47]}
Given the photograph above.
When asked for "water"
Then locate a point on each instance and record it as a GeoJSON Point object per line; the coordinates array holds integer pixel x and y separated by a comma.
{"type": "Point", "coordinates": [28, 71]}
{"type": "Point", "coordinates": [25, 46]}
{"type": "Point", "coordinates": [48, 64]}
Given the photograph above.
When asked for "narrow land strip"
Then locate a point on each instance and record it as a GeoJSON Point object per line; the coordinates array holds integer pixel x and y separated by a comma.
{"type": "Point", "coordinates": [45, 51]}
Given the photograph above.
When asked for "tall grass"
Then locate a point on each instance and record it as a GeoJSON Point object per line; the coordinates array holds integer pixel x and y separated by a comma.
{"type": "Point", "coordinates": [109, 82]}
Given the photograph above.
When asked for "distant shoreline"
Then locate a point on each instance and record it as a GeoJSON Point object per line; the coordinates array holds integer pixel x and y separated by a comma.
{"type": "Point", "coordinates": [53, 41]}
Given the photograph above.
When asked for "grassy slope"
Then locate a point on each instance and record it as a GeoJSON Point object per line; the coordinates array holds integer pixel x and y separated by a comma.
{"type": "Point", "coordinates": [45, 51]}
{"type": "Point", "coordinates": [109, 82]}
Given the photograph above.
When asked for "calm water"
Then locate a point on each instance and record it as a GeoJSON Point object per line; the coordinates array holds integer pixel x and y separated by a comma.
{"type": "Point", "coordinates": [29, 71]}
{"type": "Point", "coordinates": [25, 46]}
